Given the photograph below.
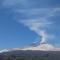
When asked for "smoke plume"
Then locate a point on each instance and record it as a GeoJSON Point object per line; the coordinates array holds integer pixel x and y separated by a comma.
{"type": "Point", "coordinates": [41, 23]}
{"type": "Point", "coordinates": [39, 27]}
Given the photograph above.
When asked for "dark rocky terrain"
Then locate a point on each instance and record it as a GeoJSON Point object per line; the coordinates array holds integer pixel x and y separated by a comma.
{"type": "Point", "coordinates": [30, 55]}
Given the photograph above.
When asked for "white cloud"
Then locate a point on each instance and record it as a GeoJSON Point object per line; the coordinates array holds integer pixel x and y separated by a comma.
{"type": "Point", "coordinates": [37, 19]}
{"type": "Point", "coordinates": [40, 24]}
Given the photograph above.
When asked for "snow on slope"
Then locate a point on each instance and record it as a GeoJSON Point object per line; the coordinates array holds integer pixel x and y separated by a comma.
{"type": "Point", "coordinates": [44, 47]}
{"type": "Point", "coordinates": [41, 47]}
{"type": "Point", "coordinates": [4, 50]}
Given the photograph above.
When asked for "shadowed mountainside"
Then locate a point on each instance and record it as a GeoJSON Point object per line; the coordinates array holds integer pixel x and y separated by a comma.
{"type": "Point", "coordinates": [30, 55]}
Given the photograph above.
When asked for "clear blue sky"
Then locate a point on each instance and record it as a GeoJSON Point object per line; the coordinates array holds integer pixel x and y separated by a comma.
{"type": "Point", "coordinates": [15, 34]}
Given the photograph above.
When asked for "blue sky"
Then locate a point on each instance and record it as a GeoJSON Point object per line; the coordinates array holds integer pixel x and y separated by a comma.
{"type": "Point", "coordinates": [18, 22]}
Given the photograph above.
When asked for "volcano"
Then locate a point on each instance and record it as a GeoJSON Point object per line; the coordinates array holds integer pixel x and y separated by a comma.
{"type": "Point", "coordinates": [43, 51]}
{"type": "Point", "coordinates": [40, 47]}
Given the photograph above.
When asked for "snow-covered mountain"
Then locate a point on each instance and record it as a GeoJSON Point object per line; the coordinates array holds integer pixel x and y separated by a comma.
{"type": "Point", "coordinates": [41, 47]}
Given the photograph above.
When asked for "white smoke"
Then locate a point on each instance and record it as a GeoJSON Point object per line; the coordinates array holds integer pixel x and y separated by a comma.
{"type": "Point", "coordinates": [39, 26]}
{"type": "Point", "coordinates": [44, 36]}
{"type": "Point", "coordinates": [41, 23]}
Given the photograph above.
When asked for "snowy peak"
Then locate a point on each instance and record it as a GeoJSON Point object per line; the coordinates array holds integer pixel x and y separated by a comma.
{"type": "Point", "coordinates": [4, 50]}
{"type": "Point", "coordinates": [41, 47]}
{"type": "Point", "coordinates": [45, 47]}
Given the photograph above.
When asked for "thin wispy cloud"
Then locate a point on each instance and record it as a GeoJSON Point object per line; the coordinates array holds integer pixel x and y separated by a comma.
{"type": "Point", "coordinates": [7, 3]}
{"type": "Point", "coordinates": [38, 21]}
{"type": "Point", "coordinates": [33, 16]}
{"type": "Point", "coordinates": [30, 3]}
{"type": "Point", "coordinates": [41, 13]}
{"type": "Point", "coordinates": [40, 25]}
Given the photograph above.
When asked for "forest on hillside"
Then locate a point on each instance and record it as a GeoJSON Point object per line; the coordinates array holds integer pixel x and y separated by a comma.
{"type": "Point", "coordinates": [30, 55]}
{"type": "Point", "coordinates": [25, 58]}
